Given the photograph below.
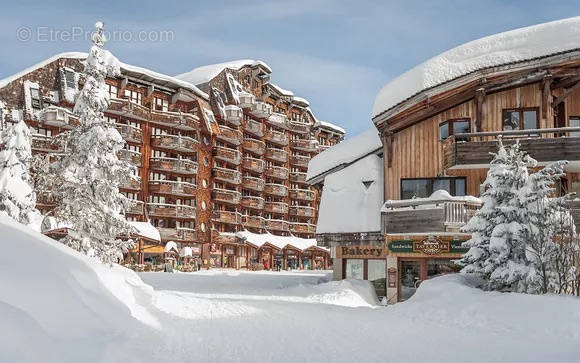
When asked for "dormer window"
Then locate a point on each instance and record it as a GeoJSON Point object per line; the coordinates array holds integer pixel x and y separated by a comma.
{"type": "Point", "coordinates": [520, 119]}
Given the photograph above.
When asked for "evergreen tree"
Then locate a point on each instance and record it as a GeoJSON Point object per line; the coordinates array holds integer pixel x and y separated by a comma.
{"type": "Point", "coordinates": [85, 180]}
{"type": "Point", "coordinates": [17, 197]}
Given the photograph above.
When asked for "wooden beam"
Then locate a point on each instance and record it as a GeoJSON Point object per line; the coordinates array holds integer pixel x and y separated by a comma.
{"type": "Point", "coordinates": [546, 95]}
{"type": "Point", "coordinates": [479, 105]}
{"type": "Point", "coordinates": [565, 95]}
{"type": "Point", "coordinates": [389, 149]}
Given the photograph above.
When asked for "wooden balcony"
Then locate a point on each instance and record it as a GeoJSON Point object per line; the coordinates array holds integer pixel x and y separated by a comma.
{"type": "Point", "coordinates": [124, 107]}
{"type": "Point", "coordinates": [253, 164]}
{"type": "Point", "coordinates": [464, 151]}
{"type": "Point", "coordinates": [299, 127]}
{"type": "Point", "coordinates": [276, 137]}
{"type": "Point", "coordinates": [302, 194]}
{"type": "Point", "coordinates": [253, 202]}
{"type": "Point", "coordinates": [137, 208]}
{"type": "Point", "coordinates": [302, 228]}
{"type": "Point", "coordinates": [224, 216]}
{"type": "Point", "coordinates": [180, 143]}
{"type": "Point", "coordinates": [301, 211]}
{"type": "Point", "coordinates": [234, 115]}
{"type": "Point", "coordinates": [278, 120]}
{"type": "Point", "coordinates": [298, 177]}
{"type": "Point", "coordinates": [261, 109]}
{"type": "Point", "coordinates": [173, 165]}
{"type": "Point", "coordinates": [231, 156]}
{"type": "Point", "coordinates": [276, 207]}
{"type": "Point", "coordinates": [176, 120]}
{"type": "Point", "coordinates": [132, 184]}
{"type": "Point", "coordinates": [276, 189]}
{"type": "Point", "coordinates": [134, 157]}
{"type": "Point", "coordinates": [58, 117]}
{"type": "Point", "coordinates": [45, 200]}
{"type": "Point", "coordinates": [179, 234]}
{"type": "Point", "coordinates": [275, 154]}
{"type": "Point", "coordinates": [253, 221]}
{"type": "Point", "coordinates": [256, 184]}
{"type": "Point", "coordinates": [278, 225]}
{"type": "Point", "coordinates": [171, 210]}
{"type": "Point", "coordinates": [254, 146]}
{"type": "Point", "coordinates": [299, 161]}
{"type": "Point", "coordinates": [277, 172]}
{"type": "Point", "coordinates": [226, 196]}
{"type": "Point", "coordinates": [43, 143]}
{"type": "Point", "coordinates": [172, 187]}
{"type": "Point", "coordinates": [247, 100]}
{"type": "Point", "coordinates": [304, 145]}
{"type": "Point", "coordinates": [130, 133]}
{"type": "Point", "coordinates": [227, 175]}
{"type": "Point", "coordinates": [254, 127]}
{"type": "Point", "coordinates": [229, 135]}
{"type": "Point", "coordinates": [421, 215]}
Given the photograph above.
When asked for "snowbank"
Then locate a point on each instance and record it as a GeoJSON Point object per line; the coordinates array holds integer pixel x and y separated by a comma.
{"type": "Point", "coordinates": [495, 50]}
{"type": "Point", "coordinates": [147, 230]}
{"type": "Point", "coordinates": [205, 74]}
{"type": "Point", "coordinates": [352, 198]}
{"type": "Point", "coordinates": [259, 239]}
{"type": "Point", "coordinates": [345, 152]}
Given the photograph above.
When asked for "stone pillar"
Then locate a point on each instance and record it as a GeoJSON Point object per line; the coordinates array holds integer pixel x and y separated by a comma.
{"type": "Point", "coordinates": [337, 269]}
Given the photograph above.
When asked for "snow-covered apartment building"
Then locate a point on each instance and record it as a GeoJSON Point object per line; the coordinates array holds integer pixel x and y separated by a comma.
{"type": "Point", "coordinates": [222, 154]}
{"type": "Point", "coordinates": [395, 197]}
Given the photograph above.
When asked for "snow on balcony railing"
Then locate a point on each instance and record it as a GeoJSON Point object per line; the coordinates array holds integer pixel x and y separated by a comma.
{"type": "Point", "coordinates": [247, 100]}
{"type": "Point", "coordinates": [227, 175]}
{"type": "Point", "coordinates": [253, 183]}
{"type": "Point", "coordinates": [261, 109]}
{"type": "Point", "coordinates": [276, 154]}
{"type": "Point", "coordinates": [255, 202]}
{"type": "Point", "coordinates": [131, 156]}
{"type": "Point", "coordinates": [277, 172]}
{"type": "Point", "coordinates": [172, 187]}
{"type": "Point", "coordinates": [254, 127]}
{"type": "Point", "coordinates": [227, 154]}
{"type": "Point", "coordinates": [175, 142]}
{"type": "Point", "coordinates": [171, 210]}
{"type": "Point", "coordinates": [230, 135]}
{"type": "Point", "coordinates": [253, 164]}
{"type": "Point", "coordinates": [233, 115]}
{"type": "Point", "coordinates": [226, 195]}
{"type": "Point", "coordinates": [276, 207]}
{"type": "Point", "coordinates": [182, 166]}
{"type": "Point", "coordinates": [276, 189]}
{"type": "Point", "coordinates": [276, 137]}
{"type": "Point", "coordinates": [302, 194]}
{"type": "Point", "coordinates": [130, 132]}
{"type": "Point", "coordinates": [255, 146]}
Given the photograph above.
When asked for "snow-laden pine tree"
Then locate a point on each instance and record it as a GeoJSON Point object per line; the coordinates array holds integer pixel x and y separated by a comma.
{"type": "Point", "coordinates": [17, 196]}
{"type": "Point", "coordinates": [85, 180]}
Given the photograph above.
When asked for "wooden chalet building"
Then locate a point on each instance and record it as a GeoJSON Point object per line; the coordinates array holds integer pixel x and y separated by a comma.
{"type": "Point", "coordinates": [438, 124]}
{"type": "Point", "coordinates": [214, 156]}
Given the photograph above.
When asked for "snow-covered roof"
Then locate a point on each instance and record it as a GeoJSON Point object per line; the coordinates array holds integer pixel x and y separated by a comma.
{"type": "Point", "coordinates": [205, 74]}
{"type": "Point", "coordinates": [438, 196]}
{"type": "Point", "coordinates": [124, 66]}
{"type": "Point", "coordinates": [281, 90]}
{"type": "Point", "coordinates": [146, 230]}
{"type": "Point", "coordinates": [259, 239]}
{"type": "Point", "coordinates": [329, 125]}
{"type": "Point", "coordinates": [170, 246]}
{"type": "Point", "coordinates": [344, 153]}
{"type": "Point", "coordinates": [352, 198]}
{"type": "Point", "coordinates": [301, 100]}
{"type": "Point", "coordinates": [513, 46]}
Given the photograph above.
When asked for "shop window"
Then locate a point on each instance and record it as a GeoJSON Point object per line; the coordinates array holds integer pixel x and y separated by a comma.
{"type": "Point", "coordinates": [454, 127]}
{"type": "Point", "coordinates": [520, 119]}
{"type": "Point", "coordinates": [377, 275]}
{"type": "Point", "coordinates": [423, 188]}
{"type": "Point", "coordinates": [354, 269]}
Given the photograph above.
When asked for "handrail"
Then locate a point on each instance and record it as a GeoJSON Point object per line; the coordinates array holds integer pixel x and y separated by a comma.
{"type": "Point", "coordinates": [527, 132]}
{"type": "Point", "coordinates": [392, 204]}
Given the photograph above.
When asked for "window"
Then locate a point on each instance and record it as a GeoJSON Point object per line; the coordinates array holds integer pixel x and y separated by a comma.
{"type": "Point", "coordinates": [454, 127]}
{"type": "Point", "coordinates": [520, 119]}
{"type": "Point", "coordinates": [69, 77]}
{"type": "Point", "coordinates": [112, 89]}
{"type": "Point", "coordinates": [423, 188]}
{"type": "Point", "coordinates": [161, 104]}
{"type": "Point", "coordinates": [133, 96]}
{"type": "Point", "coordinates": [35, 100]}
{"type": "Point", "coordinates": [575, 122]}
{"type": "Point", "coordinates": [354, 269]}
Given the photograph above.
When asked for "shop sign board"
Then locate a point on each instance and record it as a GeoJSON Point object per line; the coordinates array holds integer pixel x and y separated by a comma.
{"type": "Point", "coordinates": [392, 277]}
{"type": "Point", "coordinates": [428, 246]}
{"type": "Point", "coordinates": [362, 252]}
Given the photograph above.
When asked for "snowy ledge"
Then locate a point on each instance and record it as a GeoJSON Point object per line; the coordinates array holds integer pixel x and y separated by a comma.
{"type": "Point", "coordinates": [438, 197]}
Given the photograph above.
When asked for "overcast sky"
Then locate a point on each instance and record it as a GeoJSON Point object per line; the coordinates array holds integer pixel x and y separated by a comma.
{"type": "Point", "coordinates": [337, 54]}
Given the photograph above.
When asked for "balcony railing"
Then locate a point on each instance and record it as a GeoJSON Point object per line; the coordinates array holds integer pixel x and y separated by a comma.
{"type": "Point", "coordinates": [134, 157]}
{"type": "Point", "coordinates": [178, 234]}
{"type": "Point", "coordinates": [173, 165]}
{"type": "Point", "coordinates": [261, 109]}
{"type": "Point", "coordinates": [171, 210]}
{"type": "Point", "coordinates": [472, 150]}
{"type": "Point", "coordinates": [302, 194]}
{"type": "Point", "coordinates": [277, 225]}
{"type": "Point", "coordinates": [276, 189]}
{"type": "Point", "coordinates": [58, 117]}
{"type": "Point", "coordinates": [253, 221]}
{"type": "Point", "coordinates": [276, 207]}
{"type": "Point", "coordinates": [122, 106]}
{"type": "Point", "coordinates": [278, 155]}
{"type": "Point", "coordinates": [299, 160]}
{"type": "Point", "coordinates": [278, 120]}
{"type": "Point", "coordinates": [137, 208]}
{"type": "Point", "coordinates": [256, 184]}
{"type": "Point", "coordinates": [227, 154]}
{"type": "Point", "coordinates": [176, 120]}
{"type": "Point", "coordinates": [234, 114]}
{"type": "Point", "coordinates": [175, 142]}
{"type": "Point", "coordinates": [133, 184]}
{"type": "Point", "coordinates": [225, 216]}
{"type": "Point", "coordinates": [299, 127]}
{"type": "Point", "coordinates": [254, 202]}
{"type": "Point", "coordinates": [276, 137]}
{"type": "Point", "coordinates": [172, 187]}
{"type": "Point", "coordinates": [230, 135]}
{"type": "Point", "coordinates": [44, 143]}
{"type": "Point", "coordinates": [247, 100]}
{"type": "Point", "coordinates": [301, 211]}
{"type": "Point", "coordinates": [302, 228]}
{"type": "Point", "coordinates": [253, 164]}
{"type": "Point", "coordinates": [277, 172]}
{"type": "Point", "coordinates": [226, 196]}
{"type": "Point", "coordinates": [227, 175]}
{"type": "Point", "coordinates": [304, 145]}
{"type": "Point", "coordinates": [254, 127]}
{"type": "Point", "coordinates": [254, 146]}
{"type": "Point", "coordinates": [297, 177]}
{"type": "Point", "coordinates": [130, 133]}
{"type": "Point", "coordinates": [426, 215]}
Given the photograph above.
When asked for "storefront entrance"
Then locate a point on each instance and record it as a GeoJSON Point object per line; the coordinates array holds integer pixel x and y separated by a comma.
{"type": "Point", "coordinates": [414, 271]}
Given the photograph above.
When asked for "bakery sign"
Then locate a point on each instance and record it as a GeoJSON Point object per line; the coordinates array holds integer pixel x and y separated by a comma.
{"type": "Point", "coordinates": [429, 246]}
